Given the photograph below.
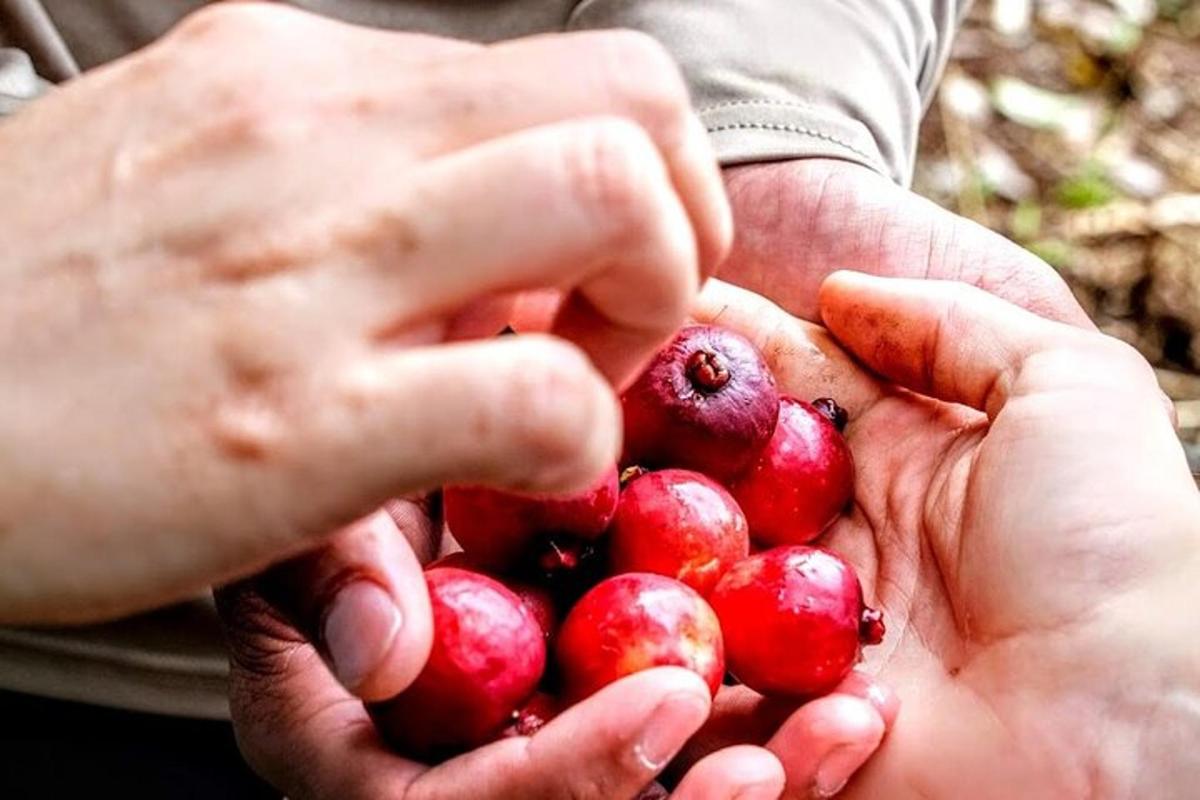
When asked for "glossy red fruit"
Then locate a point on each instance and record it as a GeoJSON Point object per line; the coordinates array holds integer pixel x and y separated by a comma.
{"type": "Point", "coordinates": [707, 402]}
{"type": "Point", "coordinates": [680, 524]}
{"type": "Point", "coordinates": [537, 599]}
{"type": "Point", "coordinates": [794, 620]}
{"type": "Point", "coordinates": [540, 604]}
{"type": "Point", "coordinates": [533, 715]}
{"type": "Point", "coordinates": [565, 565]}
{"type": "Point", "coordinates": [800, 481]}
{"type": "Point", "coordinates": [633, 622]}
{"type": "Point", "coordinates": [487, 658]}
{"type": "Point", "coordinates": [496, 528]}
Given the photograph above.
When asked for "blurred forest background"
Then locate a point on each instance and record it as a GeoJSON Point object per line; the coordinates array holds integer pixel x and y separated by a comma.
{"type": "Point", "coordinates": [1073, 127]}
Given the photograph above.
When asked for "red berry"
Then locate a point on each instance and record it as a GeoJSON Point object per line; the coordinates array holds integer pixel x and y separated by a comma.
{"type": "Point", "coordinates": [533, 716]}
{"type": "Point", "coordinates": [680, 524]}
{"type": "Point", "coordinates": [540, 604]}
{"type": "Point", "coordinates": [794, 620]}
{"type": "Point", "coordinates": [707, 402]}
{"type": "Point", "coordinates": [566, 566]}
{"type": "Point", "coordinates": [487, 658]}
{"type": "Point", "coordinates": [634, 622]}
{"type": "Point", "coordinates": [800, 481]}
{"type": "Point", "coordinates": [539, 601]}
{"type": "Point", "coordinates": [496, 528]}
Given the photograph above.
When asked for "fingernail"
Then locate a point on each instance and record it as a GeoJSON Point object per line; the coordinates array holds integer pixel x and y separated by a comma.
{"type": "Point", "coordinates": [359, 629]}
{"type": "Point", "coordinates": [675, 719]}
{"type": "Point", "coordinates": [835, 770]}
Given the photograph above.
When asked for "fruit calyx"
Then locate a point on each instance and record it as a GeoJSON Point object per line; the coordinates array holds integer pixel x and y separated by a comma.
{"type": "Point", "coordinates": [871, 627]}
{"type": "Point", "coordinates": [630, 474]}
{"type": "Point", "coordinates": [707, 371]}
{"type": "Point", "coordinates": [559, 555]}
{"type": "Point", "coordinates": [832, 412]}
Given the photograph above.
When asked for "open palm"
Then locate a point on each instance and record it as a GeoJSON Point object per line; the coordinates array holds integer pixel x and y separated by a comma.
{"type": "Point", "coordinates": [1030, 534]}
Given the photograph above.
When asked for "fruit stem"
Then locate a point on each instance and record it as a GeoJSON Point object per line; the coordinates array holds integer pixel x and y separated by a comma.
{"type": "Point", "coordinates": [706, 371]}
{"type": "Point", "coordinates": [871, 627]}
{"type": "Point", "coordinates": [559, 555]}
{"type": "Point", "coordinates": [832, 412]}
{"type": "Point", "coordinates": [630, 474]}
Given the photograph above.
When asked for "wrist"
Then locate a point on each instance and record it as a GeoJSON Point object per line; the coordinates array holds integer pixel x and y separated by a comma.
{"type": "Point", "coordinates": [797, 221]}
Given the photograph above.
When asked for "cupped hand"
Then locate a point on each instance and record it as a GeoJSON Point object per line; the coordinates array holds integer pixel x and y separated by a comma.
{"type": "Point", "coordinates": [358, 611]}
{"type": "Point", "coordinates": [223, 309]}
{"type": "Point", "coordinates": [1026, 520]}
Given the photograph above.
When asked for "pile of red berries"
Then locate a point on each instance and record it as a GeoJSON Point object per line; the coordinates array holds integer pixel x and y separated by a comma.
{"type": "Point", "coordinates": [651, 566]}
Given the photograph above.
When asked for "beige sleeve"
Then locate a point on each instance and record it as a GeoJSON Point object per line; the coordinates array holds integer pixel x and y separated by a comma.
{"type": "Point", "coordinates": [18, 82]}
{"type": "Point", "coordinates": [781, 79]}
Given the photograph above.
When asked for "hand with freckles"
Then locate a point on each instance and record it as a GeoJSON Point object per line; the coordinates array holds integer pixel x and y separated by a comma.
{"type": "Point", "coordinates": [1025, 519]}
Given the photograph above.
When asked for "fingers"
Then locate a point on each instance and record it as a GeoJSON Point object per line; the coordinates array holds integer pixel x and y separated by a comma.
{"type": "Point", "coordinates": [960, 344]}
{"type": "Point", "coordinates": [300, 729]}
{"type": "Point", "coordinates": [525, 412]}
{"type": "Point", "coordinates": [837, 732]}
{"type": "Point", "coordinates": [609, 746]}
{"type": "Point", "coordinates": [737, 773]}
{"type": "Point", "coordinates": [824, 743]}
{"type": "Point", "coordinates": [865, 687]}
{"type": "Point", "coordinates": [362, 599]}
{"type": "Point", "coordinates": [585, 206]}
{"type": "Point", "coordinates": [620, 73]}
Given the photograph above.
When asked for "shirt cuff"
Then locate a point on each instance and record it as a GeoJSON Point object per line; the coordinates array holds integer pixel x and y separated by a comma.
{"type": "Point", "coordinates": [750, 131]}
{"type": "Point", "coordinates": [18, 82]}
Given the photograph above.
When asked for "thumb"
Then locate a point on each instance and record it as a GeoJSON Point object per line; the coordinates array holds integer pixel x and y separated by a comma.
{"type": "Point", "coordinates": [957, 343]}
{"type": "Point", "coordinates": [361, 600]}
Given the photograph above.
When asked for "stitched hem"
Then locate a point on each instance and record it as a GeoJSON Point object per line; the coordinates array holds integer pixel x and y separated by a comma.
{"type": "Point", "coordinates": [767, 103]}
{"type": "Point", "coordinates": [800, 130]}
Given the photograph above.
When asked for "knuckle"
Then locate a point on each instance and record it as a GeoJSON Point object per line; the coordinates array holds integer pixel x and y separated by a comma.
{"type": "Point", "coordinates": [643, 73]}
{"type": "Point", "coordinates": [252, 112]}
{"type": "Point", "coordinates": [592, 787]}
{"type": "Point", "coordinates": [554, 407]}
{"type": "Point", "coordinates": [619, 178]}
{"type": "Point", "coordinates": [1121, 356]}
{"type": "Point", "coordinates": [610, 169]}
{"type": "Point", "coordinates": [261, 641]}
{"type": "Point", "coordinates": [228, 23]}
{"type": "Point", "coordinates": [601, 777]}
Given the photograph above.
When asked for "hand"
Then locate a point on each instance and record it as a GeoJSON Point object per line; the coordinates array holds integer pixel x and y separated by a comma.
{"type": "Point", "coordinates": [1027, 522]}
{"type": "Point", "coordinates": [798, 221]}
{"type": "Point", "coordinates": [223, 308]}
{"type": "Point", "coordinates": [312, 738]}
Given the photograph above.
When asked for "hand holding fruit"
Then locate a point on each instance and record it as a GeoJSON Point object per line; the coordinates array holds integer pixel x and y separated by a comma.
{"type": "Point", "coordinates": [312, 737]}
{"type": "Point", "coordinates": [1026, 522]}
{"type": "Point", "coordinates": [488, 655]}
{"type": "Point", "coordinates": [225, 310]}
{"type": "Point", "coordinates": [1015, 606]}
